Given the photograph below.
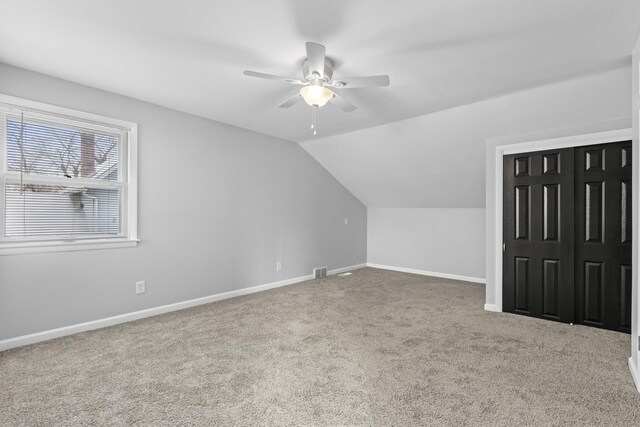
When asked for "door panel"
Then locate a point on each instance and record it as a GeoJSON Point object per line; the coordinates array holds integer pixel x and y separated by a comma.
{"type": "Point", "coordinates": [592, 289]}
{"type": "Point", "coordinates": [593, 159]}
{"type": "Point", "coordinates": [522, 284]}
{"type": "Point", "coordinates": [550, 287]}
{"type": "Point", "coordinates": [551, 164]}
{"type": "Point", "coordinates": [625, 297]}
{"type": "Point", "coordinates": [551, 212]}
{"type": "Point", "coordinates": [523, 213]}
{"type": "Point", "coordinates": [625, 211]}
{"type": "Point", "coordinates": [522, 166]}
{"type": "Point", "coordinates": [603, 224]}
{"type": "Point", "coordinates": [538, 233]}
{"type": "Point", "coordinates": [593, 209]}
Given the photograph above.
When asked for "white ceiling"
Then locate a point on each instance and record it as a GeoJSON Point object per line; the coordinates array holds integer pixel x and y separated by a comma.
{"type": "Point", "coordinates": [189, 55]}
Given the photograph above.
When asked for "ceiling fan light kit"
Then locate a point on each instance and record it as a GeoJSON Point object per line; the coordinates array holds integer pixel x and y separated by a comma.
{"type": "Point", "coordinates": [317, 73]}
{"type": "Point", "coordinates": [316, 95]}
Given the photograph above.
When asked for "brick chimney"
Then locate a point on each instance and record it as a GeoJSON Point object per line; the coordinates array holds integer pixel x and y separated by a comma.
{"type": "Point", "coordinates": [87, 154]}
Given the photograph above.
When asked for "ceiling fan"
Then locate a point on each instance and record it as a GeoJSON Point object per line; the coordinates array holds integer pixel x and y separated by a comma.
{"type": "Point", "coordinates": [317, 83]}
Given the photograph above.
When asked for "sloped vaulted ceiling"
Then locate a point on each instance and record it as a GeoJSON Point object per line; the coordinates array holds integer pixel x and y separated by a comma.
{"type": "Point", "coordinates": [189, 55]}
{"type": "Point", "coordinates": [438, 160]}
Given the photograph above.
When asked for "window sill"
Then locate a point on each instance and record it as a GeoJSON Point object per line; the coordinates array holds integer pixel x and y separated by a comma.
{"type": "Point", "coordinates": [62, 246]}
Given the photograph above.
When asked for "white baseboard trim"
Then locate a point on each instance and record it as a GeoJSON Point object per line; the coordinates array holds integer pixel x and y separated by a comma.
{"type": "Point", "coordinates": [136, 315]}
{"type": "Point", "coordinates": [634, 374]}
{"type": "Point", "coordinates": [428, 273]}
{"type": "Point", "coordinates": [491, 307]}
{"type": "Point", "coordinates": [345, 269]}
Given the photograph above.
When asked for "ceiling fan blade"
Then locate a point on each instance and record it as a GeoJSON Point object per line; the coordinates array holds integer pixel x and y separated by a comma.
{"type": "Point", "coordinates": [315, 58]}
{"type": "Point", "coordinates": [352, 82]}
{"type": "Point", "coordinates": [342, 103]}
{"type": "Point", "coordinates": [272, 77]}
{"type": "Point", "coordinates": [290, 101]}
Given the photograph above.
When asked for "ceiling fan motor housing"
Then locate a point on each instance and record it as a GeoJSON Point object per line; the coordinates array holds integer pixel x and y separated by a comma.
{"type": "Point", "coordinates": [328, 71]}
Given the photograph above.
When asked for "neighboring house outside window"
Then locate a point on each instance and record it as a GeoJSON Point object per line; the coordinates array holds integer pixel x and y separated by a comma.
{"type": "Point", "coordinates": [68, 179]}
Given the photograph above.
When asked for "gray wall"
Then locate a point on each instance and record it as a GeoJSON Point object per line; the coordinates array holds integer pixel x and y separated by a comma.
{"type": "Point", "coordinates": [217, 207]}
{"type": "Point", "coordinates": [447, 240]}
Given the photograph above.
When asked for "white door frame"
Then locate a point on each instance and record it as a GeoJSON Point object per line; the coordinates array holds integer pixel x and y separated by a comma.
{"type": "Point", "coordinates": [634, 360]}
{"type": "Point", "coordinates": [525, 147]}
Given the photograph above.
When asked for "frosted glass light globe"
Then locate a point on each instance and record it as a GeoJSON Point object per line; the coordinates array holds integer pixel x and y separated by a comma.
{"type": "Point", "coordinates": [316, 95]}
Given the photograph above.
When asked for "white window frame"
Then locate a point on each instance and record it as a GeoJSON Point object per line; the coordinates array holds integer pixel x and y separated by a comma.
{"type": "Point", "coordinates": [129, 130]}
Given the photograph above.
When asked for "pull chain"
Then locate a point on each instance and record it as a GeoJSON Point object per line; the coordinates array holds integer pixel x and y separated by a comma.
{"type": "Point", "coordinates": [313, 120]}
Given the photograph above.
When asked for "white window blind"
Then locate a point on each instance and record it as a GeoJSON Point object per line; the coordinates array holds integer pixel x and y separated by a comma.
{"type": "Point", "coordinates": [62, 178]}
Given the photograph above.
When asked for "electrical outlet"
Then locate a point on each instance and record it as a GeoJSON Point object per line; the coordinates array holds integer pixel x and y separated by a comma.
{"type": "Point", "coordinates": [141, 288]}
{"type": "Point", "coordinates": [278, 265]}
{"type": "Point", "coordinates": [346, 221]}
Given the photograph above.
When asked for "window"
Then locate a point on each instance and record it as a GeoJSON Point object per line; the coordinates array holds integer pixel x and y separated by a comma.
{"type": "Point", "coordinates": [67, 179]}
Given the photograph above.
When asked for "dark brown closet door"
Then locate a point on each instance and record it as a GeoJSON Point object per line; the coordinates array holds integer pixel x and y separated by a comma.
{"type": "Point", "coordinates": [538, 264]}
{"type": "Point", "coordinates": [603, 235]}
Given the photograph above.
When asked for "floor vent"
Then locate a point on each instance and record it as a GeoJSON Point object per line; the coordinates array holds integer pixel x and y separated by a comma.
{"type": "Point", "coordinates": [320, 272]}
{"type": "Point", "coordinates": [348, 273]}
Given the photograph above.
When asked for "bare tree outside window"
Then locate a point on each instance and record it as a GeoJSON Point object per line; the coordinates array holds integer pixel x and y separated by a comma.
{"type": "Point", "coordinates": [35, 148]}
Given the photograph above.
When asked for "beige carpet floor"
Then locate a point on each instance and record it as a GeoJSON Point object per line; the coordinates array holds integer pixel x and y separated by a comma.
{"type": "Point", "coordinates": [374, 348]}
